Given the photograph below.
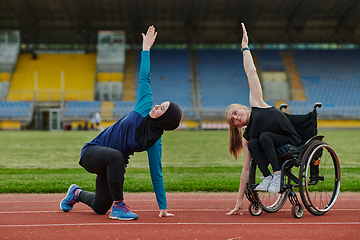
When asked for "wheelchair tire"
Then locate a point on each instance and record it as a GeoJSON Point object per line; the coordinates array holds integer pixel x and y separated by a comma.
{"type": "Point", "coordinates": [269, 202]}
{"type": "Point", "coordinates": [297, 210]}
{"type": "Point", "coordinates": [319, 178]}
{"type": "Point", "coordinates": [255, 209]}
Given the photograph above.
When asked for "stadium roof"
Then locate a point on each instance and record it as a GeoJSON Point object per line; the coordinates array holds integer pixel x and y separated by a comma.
{"type": "Point", "coordinates": [185, 21]}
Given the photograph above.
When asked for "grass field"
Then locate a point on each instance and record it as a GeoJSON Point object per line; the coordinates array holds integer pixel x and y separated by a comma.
{"type": "Point", "coordinates": [47, 162]}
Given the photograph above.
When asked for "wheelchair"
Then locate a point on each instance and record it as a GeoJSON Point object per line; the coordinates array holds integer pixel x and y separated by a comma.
{"type": "Point", "coordinates": [316, 174]}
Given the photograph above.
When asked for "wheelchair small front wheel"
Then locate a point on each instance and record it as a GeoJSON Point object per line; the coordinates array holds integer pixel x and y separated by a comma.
{"type": "Point", "coordinates": [297, 210]}
{"type": "Point", "coordinates": [255, 209]}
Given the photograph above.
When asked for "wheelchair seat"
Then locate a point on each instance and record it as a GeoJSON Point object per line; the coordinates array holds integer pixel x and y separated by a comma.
{"type": "Point", "coordinates": [288, 151]}
{"type": "Point", "coordinates": [306, 126]}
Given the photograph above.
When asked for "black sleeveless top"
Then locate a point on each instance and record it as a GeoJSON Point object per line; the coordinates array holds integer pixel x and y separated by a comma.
{"type": "Point", "coordinates": [270, 120]}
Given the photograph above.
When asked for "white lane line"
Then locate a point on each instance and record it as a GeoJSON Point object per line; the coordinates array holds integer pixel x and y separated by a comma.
{"type": "Point", "coordinates": [146, 210]}
{"type": "Point", "coordinates": [154, 201]}
{"type": "Point", "coordinates": [183, 223]}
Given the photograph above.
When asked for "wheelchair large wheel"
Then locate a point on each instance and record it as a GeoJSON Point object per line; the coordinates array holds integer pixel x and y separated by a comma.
{"type": "Point", "coordinates": [319, 178]}
{"type": "Point", "coordinates": [269, 202]}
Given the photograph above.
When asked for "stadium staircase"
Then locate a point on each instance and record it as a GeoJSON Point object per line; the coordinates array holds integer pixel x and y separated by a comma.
{"type": "Point", "coordinates": [195, 89]}
{"type": "Point", "coordinates": [129, 76]}
{"type": "Point", "coordinates": [107, 111]}
{"type": "Point", "coordinates": [297, 86]}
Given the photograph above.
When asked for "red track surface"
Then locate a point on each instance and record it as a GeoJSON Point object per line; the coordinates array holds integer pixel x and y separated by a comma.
{"type": "Point", "coordinates": [197, 216]}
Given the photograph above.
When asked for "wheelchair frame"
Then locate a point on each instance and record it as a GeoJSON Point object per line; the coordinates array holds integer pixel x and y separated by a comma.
{"type": "Point", "coordinates": [318, 179]}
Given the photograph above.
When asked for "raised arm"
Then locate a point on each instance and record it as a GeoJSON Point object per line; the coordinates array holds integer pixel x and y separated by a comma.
{"type": "Point", "coordinates": [256, 94]}
{"type": "Point", "coordinates": [144, 99]}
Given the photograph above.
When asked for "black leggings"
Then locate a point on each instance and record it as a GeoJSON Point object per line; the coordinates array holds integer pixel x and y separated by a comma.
{"type": "Point", "coordinates": [108, 165]}
{"type": "Point", "coordinates": [266, 143]}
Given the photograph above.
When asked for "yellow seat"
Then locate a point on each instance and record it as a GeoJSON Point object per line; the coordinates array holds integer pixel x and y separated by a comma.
{"type": "Point", "coordinates": [78, 73]}
{"type": "Point", "coordinates": [10, 125]}
{"type": "Point", "coordinates": [109, 77]}
{"type": "Point", "coordinates": [4, 76]}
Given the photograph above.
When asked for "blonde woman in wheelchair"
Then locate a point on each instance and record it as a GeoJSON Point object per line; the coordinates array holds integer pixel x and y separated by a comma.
{"type": "Point", "coordinates": [266, 128]}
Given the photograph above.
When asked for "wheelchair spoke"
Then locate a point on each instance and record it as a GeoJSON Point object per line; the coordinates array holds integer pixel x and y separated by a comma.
{"type": "Point", "coordinates": [320, 178]}
{"type": "Point", "coordinates": [269, 202]}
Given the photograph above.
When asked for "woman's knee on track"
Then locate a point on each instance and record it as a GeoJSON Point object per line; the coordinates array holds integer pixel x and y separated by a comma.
{"type": "Point", "coordinates": [101, 210]}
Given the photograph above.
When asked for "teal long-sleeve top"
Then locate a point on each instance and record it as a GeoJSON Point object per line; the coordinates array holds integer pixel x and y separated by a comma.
{"type": "Point", "coordinates": [121, 135]}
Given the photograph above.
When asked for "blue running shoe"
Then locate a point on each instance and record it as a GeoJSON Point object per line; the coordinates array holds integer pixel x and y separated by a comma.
{"type": "Point", "coordinates": [68, 202]}
{"type": "Point", "coordinates": [121, 212]}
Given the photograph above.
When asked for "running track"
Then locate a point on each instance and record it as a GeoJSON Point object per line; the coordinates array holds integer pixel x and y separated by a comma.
{"type": "Point", "coordinates": [197, 216]}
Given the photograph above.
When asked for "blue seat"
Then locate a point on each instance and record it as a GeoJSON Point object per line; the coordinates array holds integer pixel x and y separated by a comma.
{"type": "Point", "coordinates": [170, 77]}
{"type": "Point", "coordinates": [220, 84]}
{"type": "Point", "coordinates": [81, 108]}
{"type": "Point", "coordinates": [331, 77]}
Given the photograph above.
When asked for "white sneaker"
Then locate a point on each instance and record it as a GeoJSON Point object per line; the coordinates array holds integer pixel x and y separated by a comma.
{"type": "Point", "coordinates": [275, 184]}
{"type": "Point", "coordinates": [264, 185]}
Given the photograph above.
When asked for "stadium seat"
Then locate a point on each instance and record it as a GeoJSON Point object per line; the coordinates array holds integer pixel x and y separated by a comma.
{"type": "Point", "coordinates": [15, 109]}
{"type": "Point", "coordinates": [221, 85]}
{"type": "Point", "coordinates": [76, 109]}
{"type": "Point", "coordinates": [331, 77]}
{"type": "Point", "coordinates": [170, 78]}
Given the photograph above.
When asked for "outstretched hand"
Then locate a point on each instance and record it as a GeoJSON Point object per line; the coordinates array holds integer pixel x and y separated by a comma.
{"type": "Point", "coordinates": [245, 39]}
{"type": "Point", "coordinates": [149, 38]}
{"type": "Point", "coordinates": [164, 213]}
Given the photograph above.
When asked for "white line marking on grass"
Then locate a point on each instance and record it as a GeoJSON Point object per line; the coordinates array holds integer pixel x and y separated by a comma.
{"type": "Point", "coordinates": [183, 223]}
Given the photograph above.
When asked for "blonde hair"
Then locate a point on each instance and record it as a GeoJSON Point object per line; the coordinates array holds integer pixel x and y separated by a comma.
{"type": "Point", "coordinates": [235, 136]}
